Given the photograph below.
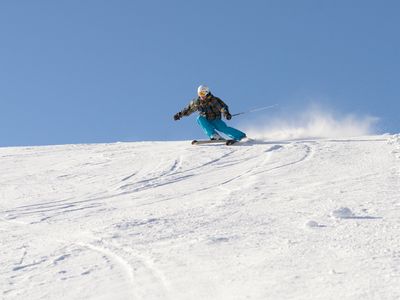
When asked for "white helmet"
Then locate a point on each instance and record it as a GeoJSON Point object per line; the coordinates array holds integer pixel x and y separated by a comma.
{"type": "Point", "coordinates": [203, 90]}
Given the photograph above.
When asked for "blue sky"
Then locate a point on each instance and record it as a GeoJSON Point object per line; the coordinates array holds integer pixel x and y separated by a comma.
{"type": "Point", "coordinates": [98, 71]}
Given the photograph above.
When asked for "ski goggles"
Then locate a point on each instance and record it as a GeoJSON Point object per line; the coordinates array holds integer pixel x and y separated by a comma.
{"type": "Point", "coordinates": [203, 93]}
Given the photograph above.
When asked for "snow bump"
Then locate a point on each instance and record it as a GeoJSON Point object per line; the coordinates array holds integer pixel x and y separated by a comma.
{"type": "Point", "coordinates": [342, 213]}
{"type": "Point", "coordinates": [313, 224]}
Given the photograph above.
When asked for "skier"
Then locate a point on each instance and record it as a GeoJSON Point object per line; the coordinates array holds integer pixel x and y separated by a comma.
{"type": "Point", "coordinates": [210, 109]}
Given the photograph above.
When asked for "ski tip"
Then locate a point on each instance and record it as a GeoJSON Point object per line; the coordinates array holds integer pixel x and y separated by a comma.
{"type": "Point", "coordinates": [230, 142]}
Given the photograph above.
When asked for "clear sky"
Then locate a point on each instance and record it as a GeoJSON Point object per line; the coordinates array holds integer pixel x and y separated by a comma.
{"type": "Point", "coordinates": [93, 71]}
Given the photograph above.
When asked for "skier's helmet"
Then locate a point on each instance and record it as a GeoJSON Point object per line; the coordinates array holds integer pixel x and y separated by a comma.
{"type": "Point", "coordinates": [203, 90]}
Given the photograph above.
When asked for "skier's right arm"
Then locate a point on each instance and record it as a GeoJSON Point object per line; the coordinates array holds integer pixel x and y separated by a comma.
{"type": "Point", "coordinates": [188, 110]}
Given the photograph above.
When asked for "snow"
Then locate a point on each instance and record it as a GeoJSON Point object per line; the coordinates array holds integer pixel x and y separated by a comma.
{"type": "Point", "coordinates": [284, 219]}
{"type": "Point", "coordinates": [343, 213]}
{"type": "Point", "coordinates": [312, 224]}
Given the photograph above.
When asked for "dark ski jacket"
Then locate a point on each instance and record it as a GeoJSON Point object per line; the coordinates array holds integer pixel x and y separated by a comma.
{"type": "Point", "coordinates": [211, 108]}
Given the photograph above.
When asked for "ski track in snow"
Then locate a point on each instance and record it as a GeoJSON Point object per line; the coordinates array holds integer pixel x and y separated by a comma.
{"type": "Point", "coordinates": [168, 220]}
{"type": "Point", "coordinates": [118, 259]}
{"type": "Point", "coordinates": [147, 280]}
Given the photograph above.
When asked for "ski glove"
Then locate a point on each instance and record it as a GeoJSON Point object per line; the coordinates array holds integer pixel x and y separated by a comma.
{"type": "Point", "coordinates": [177, 116]}
{"type": "Point", "coordinates": [228, 116]}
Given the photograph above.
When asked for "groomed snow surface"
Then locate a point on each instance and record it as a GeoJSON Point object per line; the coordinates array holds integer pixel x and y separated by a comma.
{"type": "Point", "coordinates": [293, 219]}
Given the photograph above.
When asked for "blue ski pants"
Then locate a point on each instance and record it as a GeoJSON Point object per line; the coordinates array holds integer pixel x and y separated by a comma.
{"type": "Point", "coordinates": [211, 126]}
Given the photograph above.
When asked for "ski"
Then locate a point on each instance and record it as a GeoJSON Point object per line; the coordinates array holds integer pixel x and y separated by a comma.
{"type": "Point", "coordinates": [230, 142]}
{"type": "Point", "coordinates": [204, 142]}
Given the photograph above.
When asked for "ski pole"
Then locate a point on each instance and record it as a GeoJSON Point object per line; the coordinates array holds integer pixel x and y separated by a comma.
{"type": "Point", "coordinates": [254, 110]}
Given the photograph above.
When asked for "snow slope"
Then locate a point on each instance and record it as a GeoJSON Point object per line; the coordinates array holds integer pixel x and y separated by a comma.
{"type": "Point", "coordinates": [305, 219]}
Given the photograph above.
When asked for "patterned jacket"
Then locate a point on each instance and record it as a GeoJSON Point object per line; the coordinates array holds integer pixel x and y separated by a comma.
{"type": "Point", "coordinates": [211, 108]}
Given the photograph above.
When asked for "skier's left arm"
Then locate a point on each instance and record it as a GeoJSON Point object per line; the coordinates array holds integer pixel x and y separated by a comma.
{"type": "Point", "coordinates": [224, 109]}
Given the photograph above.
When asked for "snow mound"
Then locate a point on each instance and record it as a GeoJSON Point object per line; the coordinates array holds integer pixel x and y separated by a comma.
{"type": "Point", "coordinates": [394, 139]}
{"type": "Point", "coordinates": [342, 213]}
{"type": "Point", "coordinates": [312, 224]}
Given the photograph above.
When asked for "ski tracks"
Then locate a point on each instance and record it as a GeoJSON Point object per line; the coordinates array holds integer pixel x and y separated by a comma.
{"type": "Point", "coordinates": [307, 152]}
{"type": "Point", "coordinates": [272, 161]}
{"type": "Point", "coordinates": [158, 177]}
{"type": "Point", "coordinates": [146, 281]}
{"type": "Point", "coordinates": [66, 260]}
{"type": "Point", "coordinates": [192, 162]}
{"type": "Point", "coordinates": [243, 162]}
{"type": "Point", "coordinates": [115, 259]}
{"type": "Point", "coordinates": [173, 172]}
{"type": "Point", "coordinates": [36, 213]}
